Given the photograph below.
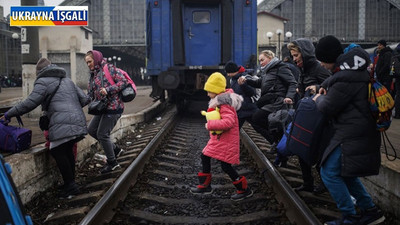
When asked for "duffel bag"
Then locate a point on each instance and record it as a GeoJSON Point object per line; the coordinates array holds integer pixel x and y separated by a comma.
{"type": "Point", "coordinates": [14, 139]}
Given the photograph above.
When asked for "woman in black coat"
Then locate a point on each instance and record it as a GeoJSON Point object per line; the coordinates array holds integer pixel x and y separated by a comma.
{"type": "Point", "coordinates": [278, 87]}
{"type": "Point", "coordinates": [353, 151]}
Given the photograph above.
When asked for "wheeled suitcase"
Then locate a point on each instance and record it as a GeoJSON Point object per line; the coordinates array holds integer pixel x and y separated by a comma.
{"type": "Point", "coordinates": [14, 139]}
{"type": "Point", "coordinates": [306, 131]}
{"type": "Point", "coordinates": [12, 211]}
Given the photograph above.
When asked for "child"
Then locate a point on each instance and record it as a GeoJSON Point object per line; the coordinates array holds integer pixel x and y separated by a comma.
{"type": "Point", "coordinates": [225, 146]}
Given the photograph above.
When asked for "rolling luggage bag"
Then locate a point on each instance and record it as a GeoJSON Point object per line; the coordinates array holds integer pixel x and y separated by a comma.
{"type": "Point", "coordinates": [12, 211]}
{"type": "Point", "coordinates": [14, 139]}
{"type": "Point", "coordinates": [306, 131]}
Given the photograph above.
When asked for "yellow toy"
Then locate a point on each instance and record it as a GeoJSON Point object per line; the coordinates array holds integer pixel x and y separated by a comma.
{"type": "Point", "coordinates": [212, 114]}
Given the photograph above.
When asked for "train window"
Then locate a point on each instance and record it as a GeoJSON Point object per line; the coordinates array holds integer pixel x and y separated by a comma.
{"type": "Point", "coordinates": [201, 17]}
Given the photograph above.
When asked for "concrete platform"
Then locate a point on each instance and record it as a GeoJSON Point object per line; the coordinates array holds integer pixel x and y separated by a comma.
{"type": "Point", "coordinates": [34, 170]}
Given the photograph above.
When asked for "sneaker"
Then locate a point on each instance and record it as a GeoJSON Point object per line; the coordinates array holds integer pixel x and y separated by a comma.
{"type": "Point", "coordinates": [320, 189]}
{"type": "Point", "coordinates": [110, 167]}
{"type": "Point", "coordinates": [347, 220]}
{"type": "Point", "coordinates": [372, 216]}
{"type": "Point", "coordinates": [240, 196]}
{"type": "Point", "coordinates": [70, 191]}
{"type": "Point", "coordinates": [118, 151]}
{"type": "Point", "coordinates": [279, 163]}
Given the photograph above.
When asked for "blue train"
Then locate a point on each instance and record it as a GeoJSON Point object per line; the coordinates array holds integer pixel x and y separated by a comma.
{"type": "Point", "coordinates": [187, 40]}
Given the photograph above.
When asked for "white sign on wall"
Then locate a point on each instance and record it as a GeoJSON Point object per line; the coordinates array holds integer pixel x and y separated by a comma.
{"type": "Point", "coordinates": [25, 48]}
{"type": "Point", "coordinates": [23, 34]}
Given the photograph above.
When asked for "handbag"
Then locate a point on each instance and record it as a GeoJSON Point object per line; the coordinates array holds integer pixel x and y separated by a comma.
{"type": "Point", "coordinates": [98, 106]}
{"type": "Point", "coordinates": [44, 120]}
{"type": "Point", "coordinates": [128, 94]}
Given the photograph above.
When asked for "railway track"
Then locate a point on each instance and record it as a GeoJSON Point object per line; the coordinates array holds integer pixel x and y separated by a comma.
{"type": "Point", "coordinates": [162, 196]}
{"type": "Point", "coordinates": [159, 168]}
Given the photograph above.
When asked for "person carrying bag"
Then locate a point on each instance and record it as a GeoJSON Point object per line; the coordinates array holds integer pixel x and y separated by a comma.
{"type": "Point", "coordinates": [66, 119]}
{"type": "Point", "coordinates": [98, 106]}
{"type": "Point", "coordinates": [107, 105]}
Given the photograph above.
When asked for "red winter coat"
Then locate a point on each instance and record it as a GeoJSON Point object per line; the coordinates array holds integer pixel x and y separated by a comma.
{"type": "Point", "coordinates": [226, 146]}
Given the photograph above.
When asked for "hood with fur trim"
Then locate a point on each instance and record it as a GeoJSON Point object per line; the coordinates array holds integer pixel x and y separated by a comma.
{"type": "Point", "coordinates": [228, 98]}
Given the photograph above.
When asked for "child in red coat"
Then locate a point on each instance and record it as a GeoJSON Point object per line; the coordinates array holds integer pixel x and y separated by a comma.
{"type": "Point", "coordinates": [224, 147]}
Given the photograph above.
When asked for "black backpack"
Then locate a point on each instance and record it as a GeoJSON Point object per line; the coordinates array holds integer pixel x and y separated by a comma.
{"type": "Point", "coordinates": [395, 66]}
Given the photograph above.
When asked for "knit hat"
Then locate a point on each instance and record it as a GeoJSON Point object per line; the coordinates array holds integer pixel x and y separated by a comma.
{"type": "Point", "coordinates": [231, 67]}
{"type": "Point", "coordinates": [382, 42]}
{"type": "Point", "coordinates": [42, 63]}
{"type": "Point", "coordinates": [328, 49]}
{"type": "Point", "coordinates": [216, 83]}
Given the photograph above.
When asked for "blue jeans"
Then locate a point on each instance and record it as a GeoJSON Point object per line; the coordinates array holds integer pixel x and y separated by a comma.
{"type": "Point", "coordinates": [342, 188]}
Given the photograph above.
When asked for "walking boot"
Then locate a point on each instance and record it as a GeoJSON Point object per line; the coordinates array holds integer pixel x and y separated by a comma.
{"type": "Point", "coordinates": [243, 191]}
{"type": "Point", "coordinates": [118, 151]}
{"type": "Point", "coordinates": [205, 184]}
{"type": "Point", "coordinates": [372, 216]}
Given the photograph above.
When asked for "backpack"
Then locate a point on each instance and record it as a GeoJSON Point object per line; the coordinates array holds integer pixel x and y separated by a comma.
{"type": "Point", "coordinates": [129, 92]}
{"type": "Point", "coordinates": [381, 104]}
{"type": "Point", "coordinates": [278, 121]}
{"type": "Point", "coordinates": [395, 66]}
{"type": "Point", "coordinates": [12, 211]}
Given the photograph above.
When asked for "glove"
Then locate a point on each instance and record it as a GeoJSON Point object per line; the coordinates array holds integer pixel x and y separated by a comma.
{"type": "Point", "coordinates": [6, 118]}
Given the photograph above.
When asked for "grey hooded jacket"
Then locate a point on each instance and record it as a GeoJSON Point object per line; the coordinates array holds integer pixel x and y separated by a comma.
{"type": "Point", "coordinates": [312, 72]}
{"type": "Point", "coordinates": [67, 118]}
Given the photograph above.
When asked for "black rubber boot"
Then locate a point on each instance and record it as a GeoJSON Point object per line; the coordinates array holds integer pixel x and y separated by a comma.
{"type": "Point", "coordinates": [243, 191]}
{"type": "Point", "coordinates": [205, 184]}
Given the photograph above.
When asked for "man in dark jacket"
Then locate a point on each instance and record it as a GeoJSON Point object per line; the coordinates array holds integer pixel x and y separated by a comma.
{"type": "Point", "coordinates": [396, 84]}
{"type": "Point", "coordinates": [383, 64]}
{"type": "Point", "coordinates": [312, 75]}
{"type": "Point", "coordinates": [246, 91]}
{"type": "Point", "coordinates": [353, 150]}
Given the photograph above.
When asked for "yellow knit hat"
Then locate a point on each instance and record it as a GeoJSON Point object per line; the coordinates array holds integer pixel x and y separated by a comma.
{"type": "Point", "coordinates": [216, 83]}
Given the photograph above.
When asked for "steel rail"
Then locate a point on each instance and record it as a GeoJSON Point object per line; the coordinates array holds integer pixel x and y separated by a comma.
{"type": "Point", "coordinates": [101, 213]}
{"type": "Point", "coordinates": [296, 210]}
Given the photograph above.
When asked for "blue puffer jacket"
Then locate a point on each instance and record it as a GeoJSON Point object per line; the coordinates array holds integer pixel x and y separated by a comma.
{"type": "Point", "coordinates": [67, 118]}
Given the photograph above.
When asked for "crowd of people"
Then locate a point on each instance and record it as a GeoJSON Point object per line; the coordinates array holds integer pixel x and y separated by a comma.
{"type": "Point", "coordinates": [351, 144]}
{"type": "Point", "coordinates": [340, 92]}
